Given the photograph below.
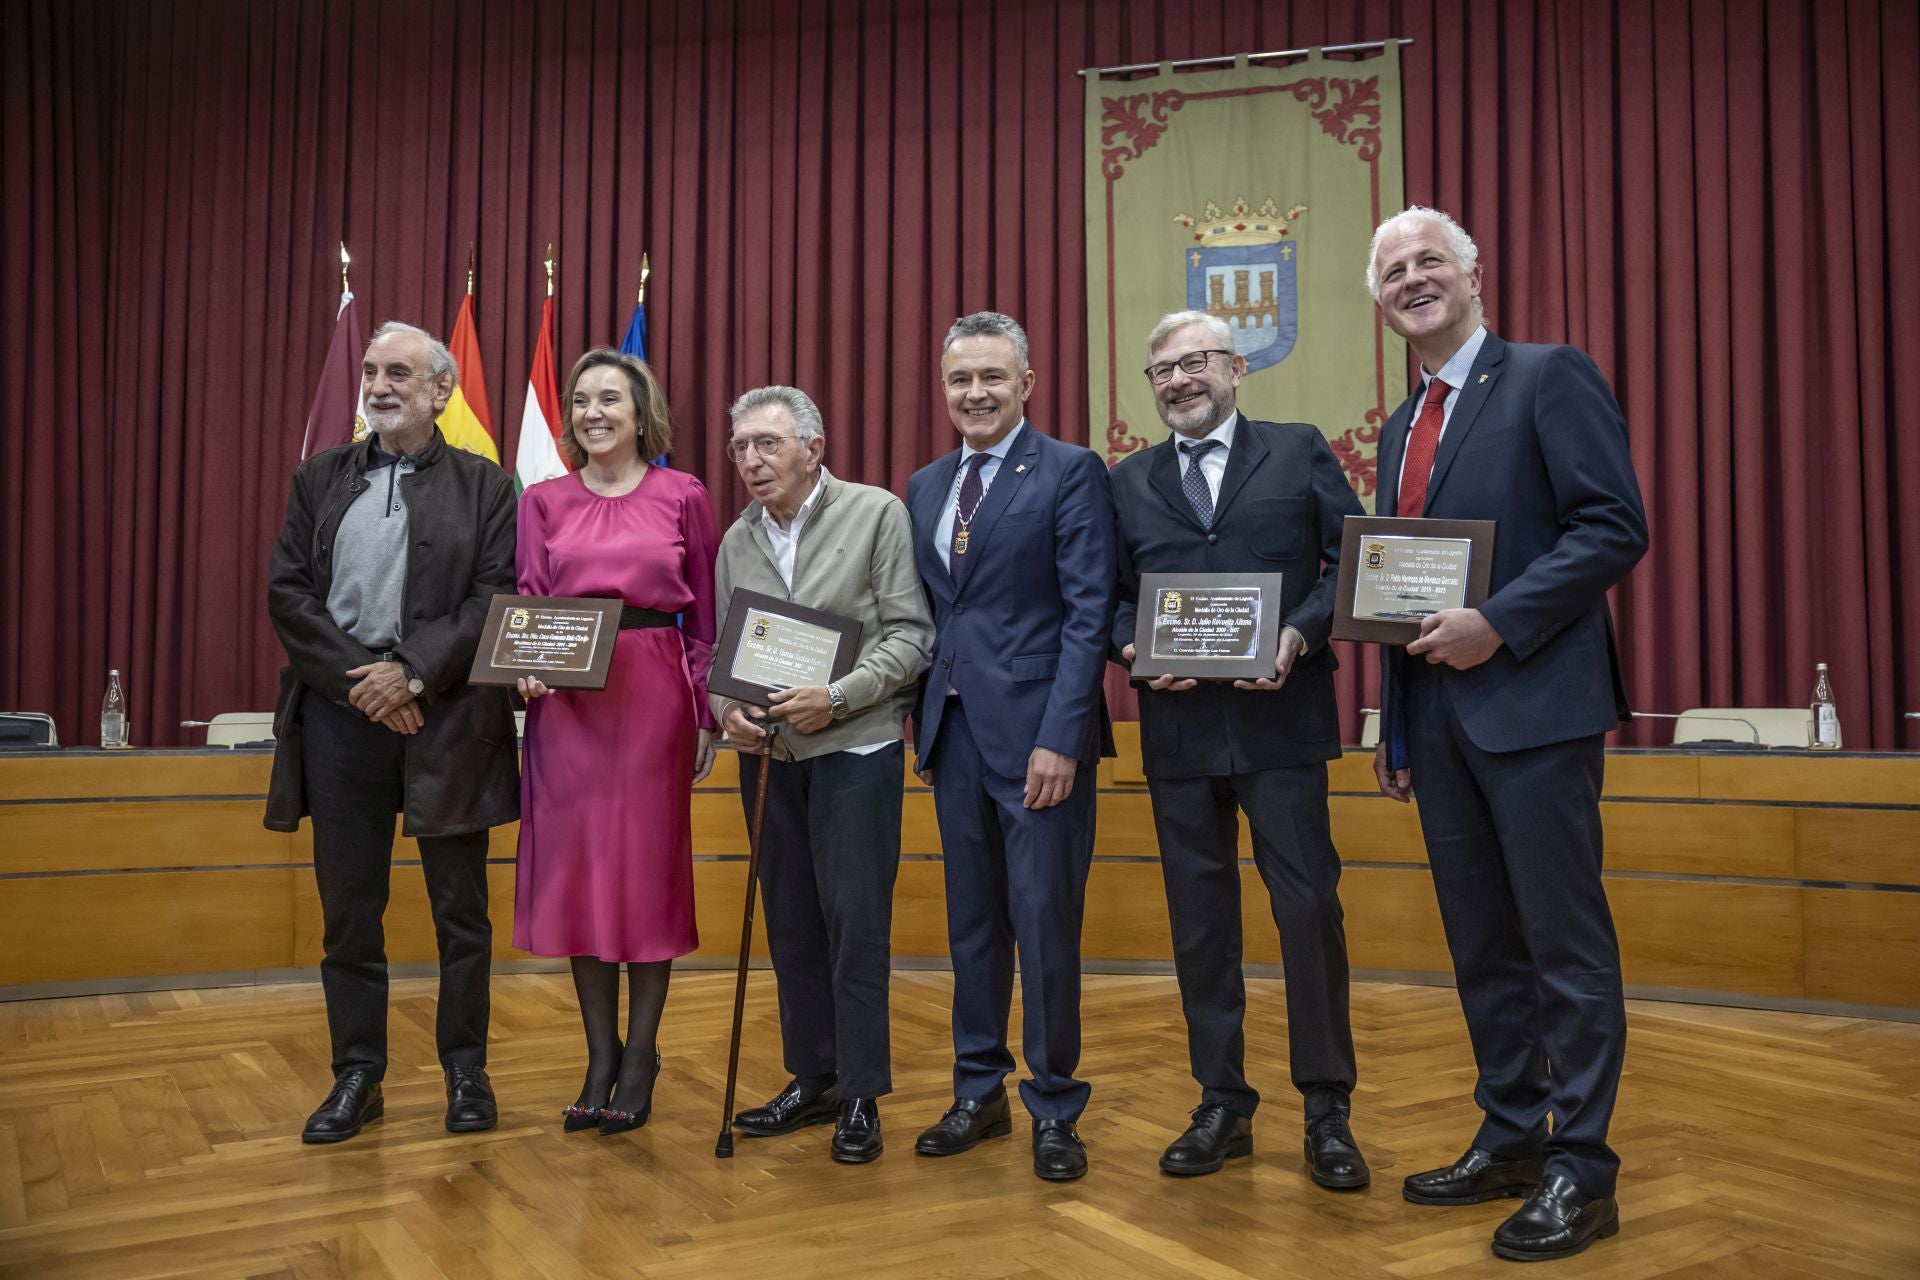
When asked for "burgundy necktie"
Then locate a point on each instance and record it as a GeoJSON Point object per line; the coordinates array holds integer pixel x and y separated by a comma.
{"type": "Point", "coordinates": [971, 491]}
{"type": "Point", "coordinates": [1422, 444]}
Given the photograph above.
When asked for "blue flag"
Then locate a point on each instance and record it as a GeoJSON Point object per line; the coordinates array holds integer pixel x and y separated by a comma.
{"type": "Point", "coordinates": [635, 344]}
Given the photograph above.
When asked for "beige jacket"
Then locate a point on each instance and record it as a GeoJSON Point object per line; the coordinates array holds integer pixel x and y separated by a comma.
{"type": "Point", "coordinates": [855, 558]}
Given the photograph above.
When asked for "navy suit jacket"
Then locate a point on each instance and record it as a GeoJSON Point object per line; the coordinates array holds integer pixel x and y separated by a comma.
{"type": "Point", "coordinates": [1280, 510]}
{"type": "Point", "coordinates": [1021, 632]}
{"type": "Point", "coordinates": [1536, 443]}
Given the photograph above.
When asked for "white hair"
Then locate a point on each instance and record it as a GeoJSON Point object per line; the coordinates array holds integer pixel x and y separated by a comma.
{"type": "Point", "coordinates": [1465, 252]}
{"type": "Point", "coordinates": [798, 404]}
{"type": "Point", "coordinates": [1213, 324]}
{"type": "Point", "coordinates": [439, 360]}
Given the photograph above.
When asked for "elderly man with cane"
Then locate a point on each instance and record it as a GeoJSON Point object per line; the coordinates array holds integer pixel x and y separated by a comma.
{"type": "Point", "coordinates": [827, 842]}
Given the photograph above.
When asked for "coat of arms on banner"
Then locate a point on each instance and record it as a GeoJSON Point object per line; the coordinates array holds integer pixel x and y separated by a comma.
{"type": "Point", "coordinates": [1242, 266]}
{"type": "Point", "coordinates": [1253, 147]}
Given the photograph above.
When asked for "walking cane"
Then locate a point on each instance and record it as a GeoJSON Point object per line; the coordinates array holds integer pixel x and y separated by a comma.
{"type": "Point", "coordinates": [723, 1146]}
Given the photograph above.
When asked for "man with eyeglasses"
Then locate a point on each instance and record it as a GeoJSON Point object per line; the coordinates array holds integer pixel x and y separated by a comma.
{"type": "Point", "coordinates": [830, 842]}
{"type": "Point", "coordinates": [392, 550]}
{"type": "Point", "coordinates": [1227, 494]}
{"type": "Point", "coordinates": [1013, 533]}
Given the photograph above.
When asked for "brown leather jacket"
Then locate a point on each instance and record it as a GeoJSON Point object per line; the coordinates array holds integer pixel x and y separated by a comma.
{"type": "Point", "coordinates": [461, 770]}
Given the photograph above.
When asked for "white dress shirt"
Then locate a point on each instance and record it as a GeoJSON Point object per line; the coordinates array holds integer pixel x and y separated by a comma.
{"type": "Point", "coordinates": [1213, 463]}
{"type": "Point", "coordinates": [1454, 373]}
{"type": "Point", "coordinates": [786, 541]}
{"type": "Point", "coordinates": [950, 512]}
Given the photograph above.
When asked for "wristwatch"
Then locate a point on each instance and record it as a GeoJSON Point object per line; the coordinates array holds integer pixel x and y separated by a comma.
{"type": "Point", "coordinates": [837, 701]}
{"type": "Point", "coordinates": [415, 685]}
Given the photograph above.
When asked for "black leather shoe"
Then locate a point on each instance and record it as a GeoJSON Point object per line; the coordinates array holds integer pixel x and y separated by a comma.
{"type": "Point", "coordinates": [354, 1103]}
{"type": "Point", "coordinates": [965, 1123]}
{"type": "Point", "coordinates": [794, 1107]}
{"type": "Point", "coordinates": [1557, 1221]}
{"type": "Point", "coordinates": [1058, 1153]}
{"type": "Point", "coordinates": [1474, 1178]}
{"type": "Point", "coordinates": [856, 1132]}
{"type": "Point", "coordinates": [470, 1104]}
{"type": "Point", "coordinates": [1333, 1157]}
{"type": "Point", "coordinates": [1216, 1136]}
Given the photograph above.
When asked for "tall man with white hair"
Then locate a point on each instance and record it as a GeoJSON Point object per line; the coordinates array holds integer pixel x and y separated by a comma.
{"type": "Point", "coordinates": [1497, 715]}
{"type": "Point", "coordinates": [830, 843]}
{"type": "Point", "coordinates": [392, 550]}
{"type": "Point", "coordinates": [1013, 533]}
{"type": "Point", "coordinates": [1227, 494]}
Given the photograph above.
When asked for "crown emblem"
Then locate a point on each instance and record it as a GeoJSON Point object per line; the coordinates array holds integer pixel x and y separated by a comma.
{"type": "Point", "coordinates": [1240, 224]}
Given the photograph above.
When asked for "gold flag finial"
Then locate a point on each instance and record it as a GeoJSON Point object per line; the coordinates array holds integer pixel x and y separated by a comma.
{"type": "Point", "coordinates": [345, 260]}
{"type": "Point", "coordinates": [469, 268]}
{"type": "Point", "coordinates": [549, 269]}
{"type": "Point", "coordinates": [645, 271]}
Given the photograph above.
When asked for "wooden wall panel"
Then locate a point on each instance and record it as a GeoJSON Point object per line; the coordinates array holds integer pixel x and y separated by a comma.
{"type": "Point", "coordinates": [137, 833]}
{"type": "Point", "coordinates": [1709, 937]}
{"type": "Point", "coordinates": [1874, 846]}
{"type": "Point", "coordinates": [86, 775]}
{"type": "Point", "coordinates": [1376, 829]}
{"type": "Point", "coordinates": [1855, 779]}
{"type": "Point", "coordinates": [1863, 947]}
{"type": "Point", "coordinates": [1652, 776]}
{"type": "Point", "coordinates": [1699, 839]}
{"type": "Point", "coordinates": [83, 928]}
{"type": "Point", "coordinates": [1393, 920]}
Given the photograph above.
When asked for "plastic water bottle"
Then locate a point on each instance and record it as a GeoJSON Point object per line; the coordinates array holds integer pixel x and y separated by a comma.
{"type": "Point", "coordinates": [113, 713]}
{"type": "Point", "coordinates": [1824, 734]}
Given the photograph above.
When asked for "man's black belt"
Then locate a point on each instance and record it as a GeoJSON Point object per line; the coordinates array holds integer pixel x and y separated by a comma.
{"type": "Point", "coordinates": [634, 618]}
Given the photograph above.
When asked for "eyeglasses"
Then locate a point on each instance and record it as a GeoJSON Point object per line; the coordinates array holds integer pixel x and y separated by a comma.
{"type": "Point", "coordinates": [1194, 362]}
{"type": "Point", "coordinates": [765, 446]}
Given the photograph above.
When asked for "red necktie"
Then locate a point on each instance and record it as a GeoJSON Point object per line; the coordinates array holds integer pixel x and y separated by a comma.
{"type": "Point", "coordinates": [1422, 444]}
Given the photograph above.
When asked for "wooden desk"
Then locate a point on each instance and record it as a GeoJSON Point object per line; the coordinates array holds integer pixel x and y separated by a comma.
{"type": "Point", "coordinates": [1777, 878]}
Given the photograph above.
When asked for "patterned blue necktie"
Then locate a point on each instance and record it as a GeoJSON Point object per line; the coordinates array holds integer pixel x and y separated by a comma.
{"type": "Point", "coordinates": [1194, 482]}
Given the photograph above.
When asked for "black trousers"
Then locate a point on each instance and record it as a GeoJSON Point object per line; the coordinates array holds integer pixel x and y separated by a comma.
{"type": "Point", "coordinates": [1515, 843]}
{"type": "Point", "coordinates": [829, 851]}
{"type": "Point", "coordinates": [1199, 834]}
{"type": "Point", "coordinates": [355, 782]}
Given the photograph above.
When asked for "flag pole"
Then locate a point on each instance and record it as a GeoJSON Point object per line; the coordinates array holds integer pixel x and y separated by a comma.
{"type": "Point", "coordinates": [645, 271]}
{"type": "Point", "coordinates": [345, 260]}
{"type": "Point", "coordinates": [469, 268]}
{"type": "Point", "coordinates": [549, 268]}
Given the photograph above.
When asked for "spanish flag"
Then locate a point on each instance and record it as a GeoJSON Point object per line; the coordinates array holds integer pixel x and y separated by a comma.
{"type": "Point", "coordinates": [467, 422]}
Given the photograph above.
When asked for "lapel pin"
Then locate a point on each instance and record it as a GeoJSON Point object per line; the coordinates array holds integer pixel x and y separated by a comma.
{"type": "Point", "coordinates": [1022, 467]}
{"type": "Point", "coordinates": [1483, 377]}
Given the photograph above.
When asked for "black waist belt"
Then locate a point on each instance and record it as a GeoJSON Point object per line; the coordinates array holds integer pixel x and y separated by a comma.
{"type": "Point", "coordinates": [634, 618]}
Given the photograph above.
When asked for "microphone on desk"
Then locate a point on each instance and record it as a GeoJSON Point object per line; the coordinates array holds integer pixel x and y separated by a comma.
{"type": "Point", "coordinates": [1719, 743]}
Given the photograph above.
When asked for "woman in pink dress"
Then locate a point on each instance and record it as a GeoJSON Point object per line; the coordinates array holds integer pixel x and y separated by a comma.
{"type": "Point", "coordinates": [606, 855]}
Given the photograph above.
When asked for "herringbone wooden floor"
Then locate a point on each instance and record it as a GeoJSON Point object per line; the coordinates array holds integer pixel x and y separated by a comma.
{"type": "Point", "coordinates": [157, 1135]}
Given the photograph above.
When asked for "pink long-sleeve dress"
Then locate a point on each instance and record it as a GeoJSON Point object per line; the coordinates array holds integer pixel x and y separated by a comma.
{"type": "Point", "coordinates": [606, 848]}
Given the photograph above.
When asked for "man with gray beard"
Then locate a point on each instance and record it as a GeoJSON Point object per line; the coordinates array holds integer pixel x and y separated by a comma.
{"type": "Point", "coordinates": [392, 550]}
{"type": "Point", "coordinates": [1230, 495]}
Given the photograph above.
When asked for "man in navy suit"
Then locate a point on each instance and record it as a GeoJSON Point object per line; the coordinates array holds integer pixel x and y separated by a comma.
{"type": "Point", "coordinates": [1013, 535]}
{"type": "Point", "coordinates": [1497, 716]}
{"type": "Point", "coordinates": [1230, 495]}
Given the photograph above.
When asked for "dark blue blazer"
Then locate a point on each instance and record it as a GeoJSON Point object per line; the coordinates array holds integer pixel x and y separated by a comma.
{"type": "Point", "coordinates": [1281, 506]}
{"type": "Point", "coordinates": [1536, 443]}
{"type": "Point", "coordinates": [1022, 632]}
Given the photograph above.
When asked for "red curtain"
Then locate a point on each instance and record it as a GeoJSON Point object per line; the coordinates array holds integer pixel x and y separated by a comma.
{"type": "Point", "coordinates": [1706, 196]}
